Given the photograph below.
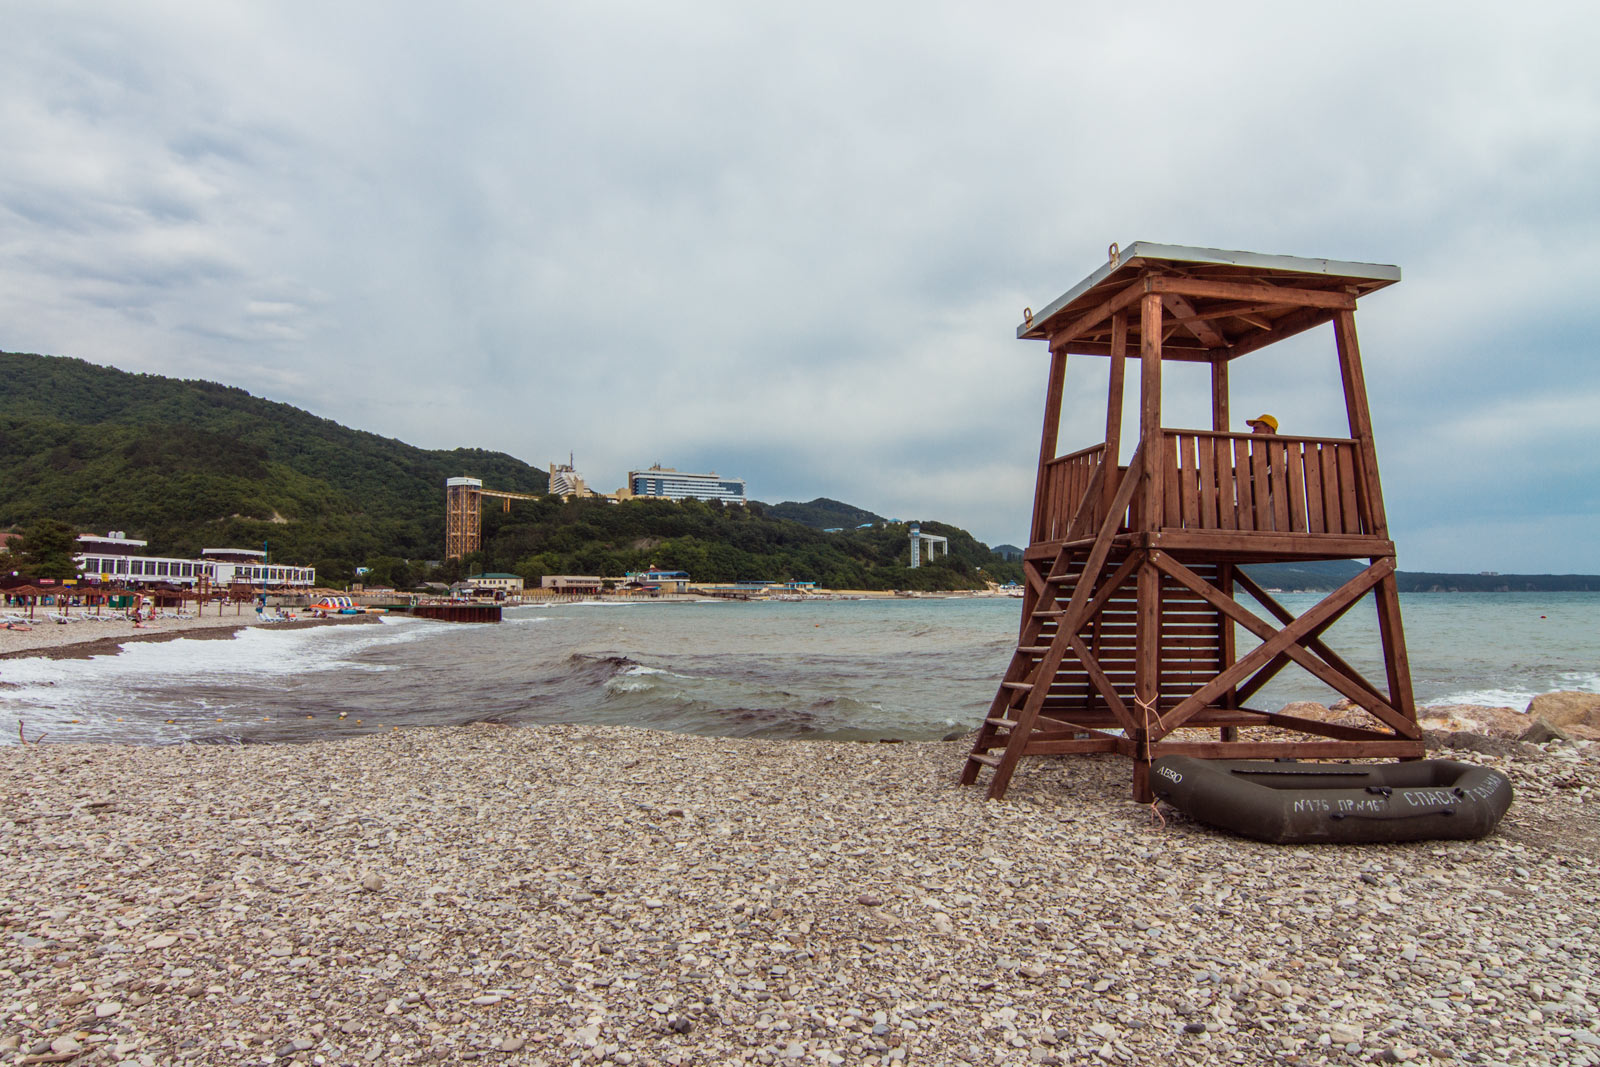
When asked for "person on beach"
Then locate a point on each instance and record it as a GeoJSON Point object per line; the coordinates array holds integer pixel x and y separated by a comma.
{"type": "Point", "coordinates": [1262, 423]}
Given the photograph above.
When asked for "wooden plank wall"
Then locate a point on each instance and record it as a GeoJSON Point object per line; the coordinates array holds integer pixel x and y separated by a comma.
{"type": "Point", "coordinates": [1191, 644]}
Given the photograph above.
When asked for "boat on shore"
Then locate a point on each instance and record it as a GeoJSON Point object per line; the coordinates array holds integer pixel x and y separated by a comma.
{"type": "Point", "coordinates": [1291, 802]}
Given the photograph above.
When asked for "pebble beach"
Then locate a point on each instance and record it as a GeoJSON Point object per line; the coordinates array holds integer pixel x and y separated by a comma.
{"type": "Point", "coordinates": [609, 895]}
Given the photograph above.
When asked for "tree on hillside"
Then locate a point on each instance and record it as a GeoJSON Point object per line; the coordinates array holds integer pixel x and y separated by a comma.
{"type": "Point", "coordinates": [46, 549]}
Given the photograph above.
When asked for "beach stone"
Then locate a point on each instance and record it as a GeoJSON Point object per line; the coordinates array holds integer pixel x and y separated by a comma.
{"type": "Point", "coordinates": [1310, 709]}
{"type": "Point", "coordinates": [1542, 731]}
{"type": "Point", "coordinates": [372, 882]}
{"type": "Point", "coordinates": [1345, 1033]}
{"type": "Point", "coordinates": [870, 900]}
{"type": "Point", "coordinates": [1498, 722]}
{"type": "Point", "coordinates": [764, 943]}
{"type": "Point", "coordinates": [1566, 708]}
{"type": "Point", "coordinates": [1468, 741]}
{"type": "Point", "coordinates": [65, 1044]}
{"type": "Point", "coordinates": [107, 1008]}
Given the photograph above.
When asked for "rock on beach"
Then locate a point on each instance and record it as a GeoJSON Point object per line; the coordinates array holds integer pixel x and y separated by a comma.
{"type": "Point", "coordinates": [586, 894]}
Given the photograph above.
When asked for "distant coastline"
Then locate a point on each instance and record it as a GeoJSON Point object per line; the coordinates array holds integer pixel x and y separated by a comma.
{"type": "Point", "coordinates": [1319, 576]}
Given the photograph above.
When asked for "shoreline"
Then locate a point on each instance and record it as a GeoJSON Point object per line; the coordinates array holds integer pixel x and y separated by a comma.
{"type": "Point", "coordinates": [49, 640]}
{"type": "Point", "coordinates": [550, 893]}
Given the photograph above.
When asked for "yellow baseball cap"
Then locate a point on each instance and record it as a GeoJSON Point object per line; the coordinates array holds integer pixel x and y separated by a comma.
{"type": "Point", "coordinates": [1267, 420]}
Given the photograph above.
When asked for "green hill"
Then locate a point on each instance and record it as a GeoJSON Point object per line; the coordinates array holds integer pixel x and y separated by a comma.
{"type": "Point", "coordinates": [824, 514]}
{"type": "Point", "coordinates": [188, 464]}
{"type": "Point", "coordinates": [725, 543]}
{"type": "Point", "coordinates": [191, 464]}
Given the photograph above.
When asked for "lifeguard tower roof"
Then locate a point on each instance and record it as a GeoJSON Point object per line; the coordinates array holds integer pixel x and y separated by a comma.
{"type": "Point", "coordinates": [1220, 303]}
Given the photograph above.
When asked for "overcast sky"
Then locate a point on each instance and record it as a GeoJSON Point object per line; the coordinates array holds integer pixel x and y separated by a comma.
{"type": "Point", "coordinates": [792, 242]}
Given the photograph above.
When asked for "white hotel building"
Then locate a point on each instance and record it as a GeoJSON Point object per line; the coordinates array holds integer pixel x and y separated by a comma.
{"type": "Point", "coordinates": [670, 484]}
{"type": "Point", "coordinates": [119, 558]}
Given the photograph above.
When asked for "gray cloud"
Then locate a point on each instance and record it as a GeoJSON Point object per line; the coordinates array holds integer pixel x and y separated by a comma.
{"type": "Point", "coordinates": [792, 244]}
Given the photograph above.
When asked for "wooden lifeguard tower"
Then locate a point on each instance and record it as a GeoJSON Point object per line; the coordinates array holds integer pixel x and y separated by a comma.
{"type": "Point", "coordinates": [1127, 637]}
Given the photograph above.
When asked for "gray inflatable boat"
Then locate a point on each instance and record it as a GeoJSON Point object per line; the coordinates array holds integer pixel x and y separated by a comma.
{"type": "Point", "coordinates": [1287, 802]}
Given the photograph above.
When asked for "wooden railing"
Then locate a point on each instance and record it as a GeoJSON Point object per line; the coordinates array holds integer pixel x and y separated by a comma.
{"type": "Point", "coordinates": [1220, 481]}
{"type": "Point", "coordinates": [1061, 491]}
{"type": "Point", "coordinates": [1263, 483]}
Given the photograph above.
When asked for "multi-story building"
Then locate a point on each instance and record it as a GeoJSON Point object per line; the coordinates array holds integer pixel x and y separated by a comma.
{"type": "Point", "coordinates": [566, 482]}
{"type": "Point", "coordinates": [671, 484]}
{"type": "Point", "coordinates": [119, 558]}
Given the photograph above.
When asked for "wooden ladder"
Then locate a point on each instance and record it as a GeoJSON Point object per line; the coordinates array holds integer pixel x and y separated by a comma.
{"type": "Point", "coordinates": [1050, 633]}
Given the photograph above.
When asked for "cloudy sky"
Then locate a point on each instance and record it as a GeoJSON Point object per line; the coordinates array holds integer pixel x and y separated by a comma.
{"type": "Point", "coordinates": [792, 242]}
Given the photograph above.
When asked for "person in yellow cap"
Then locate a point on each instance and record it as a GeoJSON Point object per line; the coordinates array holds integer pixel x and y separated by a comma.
{"type": "Point", "coordinates": [1262, 423]}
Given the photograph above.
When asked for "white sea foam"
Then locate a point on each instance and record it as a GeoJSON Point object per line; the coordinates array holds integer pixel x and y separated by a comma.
{"type": "Point", "coordinates": [50, 694]}
{"type": "Point", "coordinates": [1488, 698]}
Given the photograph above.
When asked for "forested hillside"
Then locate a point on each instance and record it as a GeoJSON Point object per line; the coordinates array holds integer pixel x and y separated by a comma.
{"type": "Point", "coordinates": [191, 464]}
{"type": "Point", "coordinates": [824, 514]}
{"type": "Point", "coordinates": [187, 465]}
{"type": "Point", "coordinates": [724, 543]}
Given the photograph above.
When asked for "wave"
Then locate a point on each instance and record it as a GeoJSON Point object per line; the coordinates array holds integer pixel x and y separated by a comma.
{"type": "Point", "coordinates": [1519, 697]}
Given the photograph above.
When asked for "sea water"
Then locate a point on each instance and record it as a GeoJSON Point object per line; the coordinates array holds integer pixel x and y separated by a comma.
{"type": "Point", "coordinates": [911, 669]}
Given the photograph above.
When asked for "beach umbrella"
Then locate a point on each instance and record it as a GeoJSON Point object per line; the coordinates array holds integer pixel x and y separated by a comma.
{"type": "Point", "coordinates": [32, 592]}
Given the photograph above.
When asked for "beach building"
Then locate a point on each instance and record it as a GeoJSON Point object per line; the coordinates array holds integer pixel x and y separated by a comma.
{"type": "Point", "coordinates": [118, 558]}
{"type": "Point", "coordinates": [668, 483]}
{"type": "Point", "coordinates": [495, 584]}
{"type": "Point", "coordinates": [665, 581]}
{"type": "Point", "coordinates": [572, 583]}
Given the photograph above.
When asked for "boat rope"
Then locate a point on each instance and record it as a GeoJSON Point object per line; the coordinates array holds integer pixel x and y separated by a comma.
{"type": "Point", "coordinates": [1147, 709]}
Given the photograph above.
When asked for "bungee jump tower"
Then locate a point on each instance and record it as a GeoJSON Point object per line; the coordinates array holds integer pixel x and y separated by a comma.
{"type": "Point", "coordinates": [1127, 640]}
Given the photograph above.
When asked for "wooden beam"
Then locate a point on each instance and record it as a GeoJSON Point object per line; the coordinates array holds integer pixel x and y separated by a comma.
{"type": "Point", "coordinates": [1219, 395]}
{"type": "Point", "coordinates": [1395, 659]}
{"type": "Point", "coordinates": [1119, 362]}
{"type": "Point", "coordinates": [1254, 291]}
{"type": "Point", "coordinates": [1284, 328]}
{"type": "Point", "coordinates": [1327, 729]}
{"type": "Point", "coordinates": [1397, 749]}
{"type": "Point", "coordinates": [1355, 399]}
{"type": "Point", "coordinates": [1150, 409]}
{"type": "Point", "coordinates": [1099, 313]}
{"type": "Point", "coordinates": [1247, 544]}
{"type": "Point", "coordinates": [1170, 353]}
{"type": "Point", "coordinates": [1185, 315]}
{"type": "Point", "coordinates": [1047, 440]}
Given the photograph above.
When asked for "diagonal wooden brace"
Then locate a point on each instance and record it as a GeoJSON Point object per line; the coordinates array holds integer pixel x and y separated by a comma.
{"type": "Point", "coordinates": [1272, 643]}
{"type": "Point", "coordinates": [1332, 674]}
